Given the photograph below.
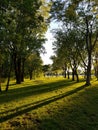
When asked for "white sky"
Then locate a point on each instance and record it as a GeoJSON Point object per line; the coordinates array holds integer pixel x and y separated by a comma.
{"type": "Point", "coordinates": [48, 45]}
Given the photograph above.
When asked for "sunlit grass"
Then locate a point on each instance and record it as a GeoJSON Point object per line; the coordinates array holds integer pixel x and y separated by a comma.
{"type": "Point", "coordinates": [49, 104]}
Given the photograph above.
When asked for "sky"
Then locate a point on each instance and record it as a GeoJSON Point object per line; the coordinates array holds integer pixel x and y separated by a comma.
{"type": "Point", "coordinates": [48, 44]}
{"type": "Point", "coordinates": [48, 48]}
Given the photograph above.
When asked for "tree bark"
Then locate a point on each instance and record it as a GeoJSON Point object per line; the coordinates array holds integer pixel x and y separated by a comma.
{"type": "Point", "coordinates": [88, 70]}
{"type": "Point", "coordinates": [96, 65]}
{"type": "Point", "coordinates": [65, 73]}
{"type": "Point", "coordinates": [77, 77]}
{"type": "Point", "coordinates": [17, 68]}
{"type": "Point", "coordinates": [68, 74]}
{"type": "Point", "coordinates": [73, 75]}
{"type": "Point", "coordinates": [22, 70]}
{"type": "Point", "coordinates": [89, 51]}
{"type": "Point", "coordinates": [9, 74]}
{"type": "Point", "coordinates": [30, 73]}
{"type": "Point", "coordinates": [96, 72]}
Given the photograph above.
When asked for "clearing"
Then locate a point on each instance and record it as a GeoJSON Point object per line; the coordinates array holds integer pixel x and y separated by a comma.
{"type": "Point", "coordinates": [49, 104]}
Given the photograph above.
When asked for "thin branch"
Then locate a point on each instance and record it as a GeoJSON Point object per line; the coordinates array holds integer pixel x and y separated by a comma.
{"type": "Point", "coordinates": [81, 57]}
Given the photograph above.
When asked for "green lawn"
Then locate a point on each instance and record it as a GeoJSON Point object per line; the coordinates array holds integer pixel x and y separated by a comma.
{"type": "Point", "coordinates": [49, 104]}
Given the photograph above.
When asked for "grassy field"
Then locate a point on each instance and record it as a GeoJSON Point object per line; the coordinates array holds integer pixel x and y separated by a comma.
{"type": "Point", "coordinates": [49, 104]}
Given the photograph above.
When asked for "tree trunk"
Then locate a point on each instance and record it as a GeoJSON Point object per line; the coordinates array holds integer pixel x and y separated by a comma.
{"type": "Point", "coordinates": [73, 75]}
{"type": "Point", "coordinates": [85, 73]}
{"type": "Point", "coordinates": [96, 72]}
{"type": "Point", "coordinates": [17, 68]}
{"type": "Point", "coordinates": [30, 74]}
{"type": "Point", "coordinates": [22, 70]}
{"type": "Point", "coordinates": [96, 68]}
{"type": "Point", "coordinates": [68, 74]}
{"type": "Point", "coordinates": [77, 77]}
{"type": "Point", "coordinates": [88, 70]}
{"type": "Point", "coordinates": [65, 73]}
{"type": "Point", "coordinates": [9, 74]}
{"type": "Point", "coordinates": [89, 51]}
{"type": "Point", "coordinates": [19, 71]}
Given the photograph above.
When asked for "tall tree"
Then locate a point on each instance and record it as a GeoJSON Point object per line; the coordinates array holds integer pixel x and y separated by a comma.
{"type": "Point", "coordinates": [84, 13]}
{"type": "Point", "coordinates": [22, 27]}
{"type": "Point", "coordinates": [66, 45]}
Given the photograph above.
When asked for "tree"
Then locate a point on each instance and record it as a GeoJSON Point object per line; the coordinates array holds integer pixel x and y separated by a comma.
{"type": "Point", "coordinates": [66, 45]}
{"type": "Point", "coordinates": [46, 69]}
{"type": "Point", "coordinates": [88, 16]}
{"type": "Point", "coordinates": [85, 15]}
{"type": "Point", "coordinates": [22, 29]}
{"type": "Point", "coordinates": [33, 64]}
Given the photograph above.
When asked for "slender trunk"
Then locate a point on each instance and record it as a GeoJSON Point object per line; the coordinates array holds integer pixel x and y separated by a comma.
{"type": "Point", "coordinates": [17, 68]}
{"type": "Point", "coordinates": [30, 74]}
{"type": "Point", "coordinates": [19, 71]}
{"type": "Point", "coordinates": [88, 71]}
{"type": "Point", "coordinates": [85, 73]}
{"type": "Point", "coordinates": [22, 70]}
{"type": "Point", "coordinates": [96, 72]}
{"type": "Point", "coordinates": [96, 69]}
{"type": "Point", "coordinates": [77, 77]}
{"type": "Point", "coordinates": [73, 75]}
{"type": "Point", "coordinates": [89, 50]}
{"type": "Point", "coordinates": [9, 74]}
{"type": "Point", "coordinates": [65, 73]}
{"type": "Point", "coordinates": [56, 74]}
{"type": "Point", "coordinates": [68, 74]}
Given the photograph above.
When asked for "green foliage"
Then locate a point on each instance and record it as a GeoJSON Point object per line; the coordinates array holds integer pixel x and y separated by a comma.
{"type": "Point", "coordinates": [34, 65]}
{"type": "Point", "coordinates": [46, 68]}
{"type": "Point", "coordinates": [67, 46]}
{"type": "Point", "coordinates": [79, 34]}
{"type": "Point", "coordinates": [22, 28]}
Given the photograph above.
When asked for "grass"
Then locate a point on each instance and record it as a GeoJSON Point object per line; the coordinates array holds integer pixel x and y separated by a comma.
{"type": "Point", "coordinates": [49, 104]}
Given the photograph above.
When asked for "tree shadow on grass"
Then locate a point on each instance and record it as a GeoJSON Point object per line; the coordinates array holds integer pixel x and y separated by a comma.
{"type": "Point", "coordinates": [78, 113]}
{"type": "Point", "coordinates": [19, 93]}
{"type": "Point", "coordinates": [35, 105]}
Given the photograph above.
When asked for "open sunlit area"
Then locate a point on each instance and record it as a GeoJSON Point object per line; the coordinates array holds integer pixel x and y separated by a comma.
{"type": "Point", "coordinates": [50, 103]}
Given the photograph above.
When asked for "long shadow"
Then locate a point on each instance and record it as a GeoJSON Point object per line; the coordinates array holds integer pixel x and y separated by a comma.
{"type": "Point", "coordinates": [20, 93]}
{"type": "Point", "coordinates": [35, 105]}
